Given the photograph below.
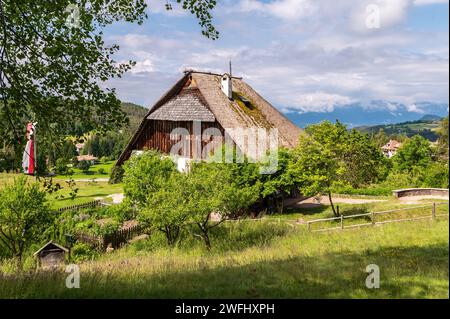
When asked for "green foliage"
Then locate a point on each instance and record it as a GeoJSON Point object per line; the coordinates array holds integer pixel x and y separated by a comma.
{"type": "Point", "coordinates": [434, 175]}
{"type": "Point", "coordinates": [330, 156]}
{"type": "Point", "coordinates": [116, 175]}
{"type": "Point", "coordinates": [61, 167]}
{"type": "Point", "coordinates": [166, 206]}
{"type": "Point", "coordinates": [83, 252]}
{"type": "Point", "coordinates": [443, 141]}
{"type": "Point", "coordinates": [212, 189]}
{"type": "Point", "coordinates": [415, 152]}
{"type": "Point", "coordinates": [24, 216]}
{"type": "Point", "coordinates": [84, 166]}
{"type": "Point", "coordinates": [144, 174]}
{"type": "Point", "coordinates": [54, 70]}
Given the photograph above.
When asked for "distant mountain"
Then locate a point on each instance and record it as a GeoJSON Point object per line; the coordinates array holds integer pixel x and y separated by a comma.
{"type": "Point", "coordinates": [430, 118]}
{"type": "Point", "coordinates": [426, 128]}
{"type": "Point", "coordinates": [375, 113]}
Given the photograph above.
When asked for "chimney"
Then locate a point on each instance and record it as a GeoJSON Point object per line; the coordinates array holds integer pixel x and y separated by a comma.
{"type": "Point", "coordinates": [226, 85]}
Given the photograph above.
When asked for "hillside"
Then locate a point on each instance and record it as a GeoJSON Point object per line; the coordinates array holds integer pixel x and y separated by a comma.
{"type": "Point", "coordinates": [135, 114]}
{"type": "Point", "coordinates": [426, 128]}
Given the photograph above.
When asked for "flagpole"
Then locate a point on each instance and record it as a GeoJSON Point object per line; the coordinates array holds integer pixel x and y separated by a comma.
{"type": "Point", "coordinates": [35, 152]}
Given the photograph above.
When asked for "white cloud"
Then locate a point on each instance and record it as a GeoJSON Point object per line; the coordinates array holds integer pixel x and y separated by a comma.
{"type": "Point", "coordinates": [428, 2]}
{"type": "Point", "coordinates": [307, 58]}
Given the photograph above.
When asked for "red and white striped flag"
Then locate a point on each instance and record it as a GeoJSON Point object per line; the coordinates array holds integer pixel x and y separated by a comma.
{"type": "Point", "coordinates": [28, 159]}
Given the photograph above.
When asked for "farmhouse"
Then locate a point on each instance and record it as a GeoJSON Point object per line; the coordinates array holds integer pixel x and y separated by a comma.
{"type": "Point", "coordinates": [391, 148]}
{"type": "Point", "coordinates": [205, 110]}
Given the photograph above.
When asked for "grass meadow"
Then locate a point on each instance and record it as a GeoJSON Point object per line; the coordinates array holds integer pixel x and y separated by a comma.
{"type": "Point", "coordinates": [261, 260]}
{"type": "Point", "coordinates": [87, 190]}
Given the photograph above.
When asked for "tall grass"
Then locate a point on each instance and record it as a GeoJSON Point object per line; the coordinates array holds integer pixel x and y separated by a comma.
{"type": "Point", "coordinates": [262, 261]}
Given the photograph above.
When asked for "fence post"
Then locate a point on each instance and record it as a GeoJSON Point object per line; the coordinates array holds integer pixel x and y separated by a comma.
{"type": "Point", "coordinates": [342, 221]}
{"type": "Point", "coordinates": [309, 226]}
{"type": "Point", "coordinates": [433, 211]}
{"type": "Point", "coordinates": [373, 218]}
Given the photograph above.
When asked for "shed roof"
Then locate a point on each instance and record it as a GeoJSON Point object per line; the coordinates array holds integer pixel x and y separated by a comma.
{"type": "Point", "coordinates": [51, 245]}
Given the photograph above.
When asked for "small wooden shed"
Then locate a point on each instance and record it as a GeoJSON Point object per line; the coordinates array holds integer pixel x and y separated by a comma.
{"type": "Point", "coordinates": [51, 255]}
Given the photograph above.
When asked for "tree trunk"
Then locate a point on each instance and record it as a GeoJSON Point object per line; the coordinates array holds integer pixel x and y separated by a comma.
{"type": "Point", "coordinates": [332, 205]}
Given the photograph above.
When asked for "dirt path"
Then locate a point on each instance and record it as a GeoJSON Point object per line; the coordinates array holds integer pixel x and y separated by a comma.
{"type": "Point", "coordinates": [413, 200]}
{"type": "Point", "coordinates": [340, 200]}
{"type": "Point", "coordinates": [91, 179]}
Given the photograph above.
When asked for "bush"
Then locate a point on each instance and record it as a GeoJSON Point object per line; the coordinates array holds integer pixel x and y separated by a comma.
{"type": "Point", "coordinates": [435, 175]}
{"type": "Point", "coordinates": [116, 175]}
{"type": "Point", "coordinates": [101, 170]}
{"type": "Point", "coordinates": [104, 159]}
{"type": "Point", "coordinates": [84, 166]}
{"type": "Point", "coordinates": [61, 166]}
{"type": "Point", "coordinates": [372, 190]}
{"type": "Point", "coordinates": [83, 252]}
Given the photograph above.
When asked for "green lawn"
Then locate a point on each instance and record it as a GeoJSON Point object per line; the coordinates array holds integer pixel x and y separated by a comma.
{"type": "Point", "coordinates": [88, 190]}
{"type": "Point", "coordinates": [92, 173]}
{"type": "Point", "coordinates": [387, 203]}
{"type": "Point", "coordinates": [255, 263]}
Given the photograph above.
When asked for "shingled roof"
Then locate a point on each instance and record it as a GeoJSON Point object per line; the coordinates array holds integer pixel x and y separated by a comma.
{"type": "Point", "coordinates": [197, 96]}
{"type": "Point", "coordinates": [188, 105]}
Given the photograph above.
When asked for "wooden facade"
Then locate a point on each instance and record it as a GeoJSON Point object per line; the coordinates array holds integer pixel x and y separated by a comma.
{"type": "Point", "coordinates": [164, 135]}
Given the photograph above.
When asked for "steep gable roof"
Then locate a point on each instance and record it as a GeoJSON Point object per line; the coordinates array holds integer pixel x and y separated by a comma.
{"type": "Point", "coordinates": [197, 96]}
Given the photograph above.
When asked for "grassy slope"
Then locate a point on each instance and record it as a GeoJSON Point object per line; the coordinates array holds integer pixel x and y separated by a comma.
{"type": "Point", "coordinates": [93, 172]}
{"type": "Point", "coordinates": [88, 191]}
{"type": "Point", "coordinates": [388, 203]}
{"type": "Point", "coordinates": [412, 256]}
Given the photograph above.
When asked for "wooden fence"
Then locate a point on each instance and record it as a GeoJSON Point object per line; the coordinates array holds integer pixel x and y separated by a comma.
{"type": "Point", "coordinates": [121, 236]}
{"type": "Point", "coordinates": [116, 239]}
{"type": "Point", "coordinates": [91, 204]}
{"type": "Point", "coordinates": [373, 216]}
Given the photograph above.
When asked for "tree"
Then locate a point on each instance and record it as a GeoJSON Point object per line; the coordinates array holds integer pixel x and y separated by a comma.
{"type": "Point", "coordinates": [24, 216]}
{"type": "Point", "coordinates": [330, 155]}
{"type": "Point", "coordinates": [443, 141]}
{"type": "Point", "coordinates": [365, 164]}
{"type": "Point", "coordinates": [53, 61]}
{"type": "Point", "coordinates": [316, 168]}
{"type": "Point", "coordinates": [84, 166]}
{"type": "Point", "coordinates": [415, 152]}
{"type": "Point", "coordinates": [165, 208]}
{"type": "Point", "coordinates": [211, 188]}
{"type": "Point", "coordinates": [145, 173]}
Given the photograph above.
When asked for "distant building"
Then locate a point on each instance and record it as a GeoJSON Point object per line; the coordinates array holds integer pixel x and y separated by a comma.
{"type": "Point", "coordinates": [79, 147]}
{"type": "Point", "coordinates": [90, 158]}
{"type": "Point", "coordinates": [391, 148]}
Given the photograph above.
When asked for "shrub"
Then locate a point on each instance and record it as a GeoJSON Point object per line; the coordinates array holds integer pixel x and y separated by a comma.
{"type": "Point", "coordinates": [101, 170]}
{"type": "Point", "coordinates": [84, 166]}
{"type": "Point", "coordinates": [435, 175]}
{"type": "Point", "coordinates": [61, 166]}
{"type": "Point", "coordinates": [83, 252]}
{"type": "Point", "coordinates": [116, 175]}
{"type": "Point", "coordinates": [24, 216]}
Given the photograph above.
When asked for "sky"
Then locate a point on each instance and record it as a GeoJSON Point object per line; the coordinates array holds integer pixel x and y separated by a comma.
{"type": "Point", "coordinates": [301, 55]}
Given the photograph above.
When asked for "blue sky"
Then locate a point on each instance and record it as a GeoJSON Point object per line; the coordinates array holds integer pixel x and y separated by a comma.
{"type": "Point", "coordinates": [301, 55]}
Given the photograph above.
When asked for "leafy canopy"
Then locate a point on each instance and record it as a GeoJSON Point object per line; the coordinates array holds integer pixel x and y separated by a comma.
{"type": "Point", "coordinates": [24, 215]}
{"type": "Point", "coordinates": [53, 72]}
